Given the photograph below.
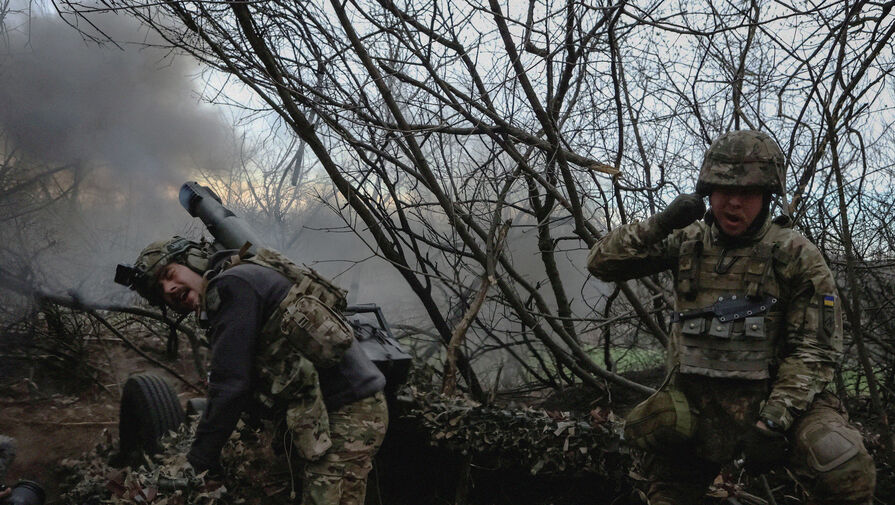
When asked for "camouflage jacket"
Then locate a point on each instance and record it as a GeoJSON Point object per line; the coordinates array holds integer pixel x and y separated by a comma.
{"type": "Point", "coordinates": [803, 341]}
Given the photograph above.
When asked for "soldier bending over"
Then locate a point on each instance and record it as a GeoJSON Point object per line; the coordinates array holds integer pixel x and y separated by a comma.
{"type": "Point", "coordinates": [281, 349]}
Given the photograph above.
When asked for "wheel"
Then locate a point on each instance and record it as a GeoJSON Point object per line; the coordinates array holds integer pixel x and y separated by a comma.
{"type": "Point", "coordinates": [149, 409]}
{"type": "Point", "coordinates": [26, 492]}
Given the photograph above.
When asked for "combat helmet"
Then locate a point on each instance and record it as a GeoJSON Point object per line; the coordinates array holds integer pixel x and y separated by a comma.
{"type": "Point", "coordinates": [743, 158]}
{"type": "Point", "coordinates": [142, 276]}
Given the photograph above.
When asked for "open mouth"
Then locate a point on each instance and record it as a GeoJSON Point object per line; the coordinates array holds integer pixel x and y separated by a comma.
{"type": "Point", "coordinates": [733, 219]}
{"type": "Point", "coordinates": [182, 296]}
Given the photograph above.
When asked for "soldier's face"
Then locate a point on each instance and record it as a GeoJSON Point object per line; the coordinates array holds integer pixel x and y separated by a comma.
{"type": "Point", "coordinates": [735, 208]}
{"type": "Point", "coordinates": [180, 287]}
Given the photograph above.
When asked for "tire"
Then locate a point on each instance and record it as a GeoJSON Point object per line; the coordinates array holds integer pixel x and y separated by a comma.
{"type": "Point", "coordinates": [149, 409]}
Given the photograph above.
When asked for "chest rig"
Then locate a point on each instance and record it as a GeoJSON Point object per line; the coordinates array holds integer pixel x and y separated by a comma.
{"type": "Point", "coordinates": [729, 314]}
{"type": "Point", "coordinates": [304, 331]}
{"type": "Point", "coordinates": [309, 316]}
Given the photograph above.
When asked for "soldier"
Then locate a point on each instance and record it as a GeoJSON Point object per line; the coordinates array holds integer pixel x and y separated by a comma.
{"type": "Point", "coordinates": [756, 334]}
{"type": "Point", "coordinates": [277, 338]}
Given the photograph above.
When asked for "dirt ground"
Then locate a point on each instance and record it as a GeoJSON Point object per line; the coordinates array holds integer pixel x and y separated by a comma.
{"type": "Point", "coordinates": [49, 426]}
{"type": "Point", "coordinates": [49, 430]}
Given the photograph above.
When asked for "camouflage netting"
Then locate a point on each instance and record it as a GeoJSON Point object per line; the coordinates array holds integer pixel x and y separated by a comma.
{"type": "Point", "coordinates": [525, 439]}
{"type": "Point", "coordinates": [167, 479]}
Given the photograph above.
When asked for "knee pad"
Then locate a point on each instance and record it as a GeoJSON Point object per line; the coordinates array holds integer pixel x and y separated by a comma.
{"type": "Point", "coordinates": [851, 483]}
{"type": "Point", "coordinates": [829, 445]}
{"type": "Point", "coordinates": [662, 423]}
{"type": "Point", "coordinates": [844, 471]}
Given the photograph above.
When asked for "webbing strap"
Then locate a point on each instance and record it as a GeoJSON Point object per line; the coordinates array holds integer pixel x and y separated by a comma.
{"type": "Point", "coordinates": [304, 284]}
{"type": "Point", "coordinates": [239, 256]}
{"type": "Point", "coordinates": [688, 267]}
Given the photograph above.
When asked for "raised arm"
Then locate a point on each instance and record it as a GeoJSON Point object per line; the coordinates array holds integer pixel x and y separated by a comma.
{"type": "Point", "coordinates": [645, 247]}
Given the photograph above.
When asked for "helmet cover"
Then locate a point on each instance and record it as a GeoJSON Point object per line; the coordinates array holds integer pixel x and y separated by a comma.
{"type": "Point", "coordinates": [159, 254]}
{"type": "Point", "coordinates": [743, 158]}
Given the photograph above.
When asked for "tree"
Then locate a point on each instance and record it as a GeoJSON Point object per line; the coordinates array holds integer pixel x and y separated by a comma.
{"type": "Point", "coordinates": [436, 122]}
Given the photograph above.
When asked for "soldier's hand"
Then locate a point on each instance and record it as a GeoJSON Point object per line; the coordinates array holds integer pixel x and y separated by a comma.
{"type": "Point", "coordinates": [682, 211]}
{"type": "Point", "coordinates": [763, 449]}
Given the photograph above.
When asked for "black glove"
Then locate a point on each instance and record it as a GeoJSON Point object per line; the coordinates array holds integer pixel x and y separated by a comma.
{"type": "Point", "coordinates": [682, 211]}
{"type": "Point", "coordinates": [199, 464]}
{"type": "Point", "coordinates": [763, 449]}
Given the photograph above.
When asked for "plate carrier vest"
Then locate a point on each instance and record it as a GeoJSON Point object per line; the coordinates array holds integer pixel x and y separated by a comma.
{"type": "Point", "coordinates": [728, 320]}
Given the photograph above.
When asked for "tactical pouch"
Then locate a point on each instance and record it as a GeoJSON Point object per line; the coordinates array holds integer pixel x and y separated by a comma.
{"type": "Point", "coordinates": [315, 329]}
{"type": "Point", "coordinates": [688, 267]}
{"type": "Point", "coordinates": [309, 314]}
{"type": "Point", "coordinates": [662, 423]}
{"type": "Point", "coordinates": [308, 281]}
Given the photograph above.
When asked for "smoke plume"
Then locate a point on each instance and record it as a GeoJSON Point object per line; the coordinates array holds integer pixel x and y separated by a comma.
{"type": "Point", "coordinates": [131, 111]}
{"type": "Point", "coordinates": [128, 118]}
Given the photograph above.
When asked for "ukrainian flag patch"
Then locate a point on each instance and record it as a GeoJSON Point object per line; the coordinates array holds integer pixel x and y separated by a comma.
{"type": "Point", "coordinates": [829, 300]}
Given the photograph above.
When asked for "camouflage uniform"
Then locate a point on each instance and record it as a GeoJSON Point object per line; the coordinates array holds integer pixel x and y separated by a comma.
{"type": "Point", "coordinates": [340, 476]}
{"type": "Point", "coordinates": [310, 375]}
{"type": "Point", "coordinates": [277, 336]}
{"type": "Point", "coordinates": [772, 361]}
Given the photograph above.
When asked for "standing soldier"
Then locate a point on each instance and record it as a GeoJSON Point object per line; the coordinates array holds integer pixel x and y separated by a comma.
{"type": "Point", "coordinates": [277, 338]}
{"type": "Point", "coordinates": [756, 334]}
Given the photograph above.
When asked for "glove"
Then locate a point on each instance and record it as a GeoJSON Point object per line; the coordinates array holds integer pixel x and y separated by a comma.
{"type": "Point", "coordinates": [763, 449]}
{"type": "Point", "coordinates": [214, 469]}
{"type": "Point", "coordinates": [682, 211]}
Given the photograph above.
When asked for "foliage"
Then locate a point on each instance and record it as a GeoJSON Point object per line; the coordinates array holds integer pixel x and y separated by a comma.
{"type": "Point", "coordinates": [168, 479]}
{"type": "Point", "coordinates": [541, 442]}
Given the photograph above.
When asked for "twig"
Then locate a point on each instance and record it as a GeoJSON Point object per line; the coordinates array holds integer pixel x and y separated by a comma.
{"type": "Point", "coordinates": [767, 489]}
{"type": "Point", "coordinates": [141, 352]}
{"type": "Point", "coordinates": [77, 303]}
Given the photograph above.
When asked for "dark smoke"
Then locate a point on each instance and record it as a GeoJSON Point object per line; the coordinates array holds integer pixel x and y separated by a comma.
{"type": "Point", "coordinates": [129, 117]}
{"type": "Point", "coordinates": [130, 111]}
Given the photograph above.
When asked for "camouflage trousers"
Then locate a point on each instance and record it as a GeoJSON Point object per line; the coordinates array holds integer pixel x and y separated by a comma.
{"type": "Point", "coordinates": [340, 476]}
{"type": "Point", "coordinates": [827, 454]}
